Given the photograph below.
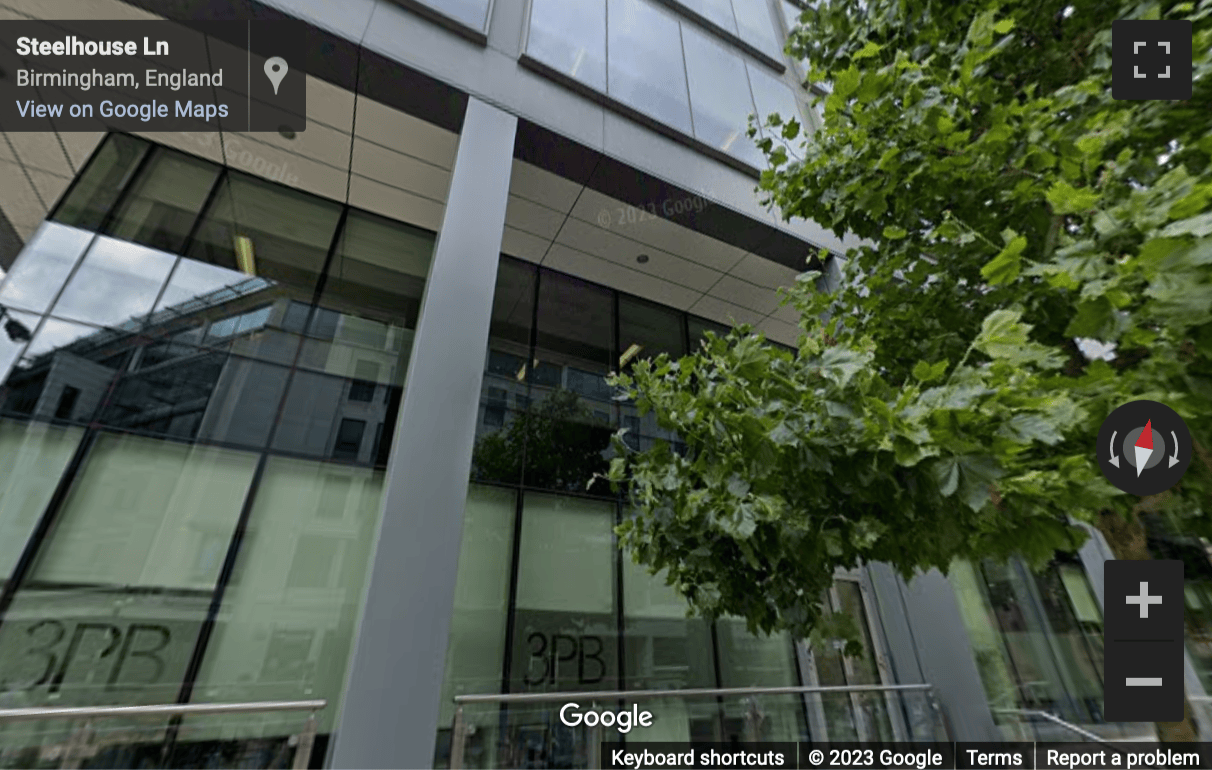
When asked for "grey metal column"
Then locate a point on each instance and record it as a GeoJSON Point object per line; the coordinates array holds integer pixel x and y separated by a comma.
{"type": "Point", "coordinates": [390, 715]}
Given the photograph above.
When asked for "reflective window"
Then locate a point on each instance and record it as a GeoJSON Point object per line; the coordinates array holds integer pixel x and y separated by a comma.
{"type": "Point", "coordinates": [665, 650]}
{"type": "Point", "coordinates": [16, 330]}
{"type": "Point", "coordinates": [718, 12]}
{"type": "Point", "coordinates": [160, 209]}
{"type": "Point", "coordinates": [771, 95]}
{"type": "Point", "coordinates": [35, 455]}
{"type": "Point", "coordinates": [268, 231]}
{"type": "Point", "coordinates": [720, 97]}
{"type": "Point", "coordinates": [117, 283]}
{"type": "Point", "coordinates": [564, 626]}
{"type": "Point", "coordinates": [647, 71]}
{"type": "Point", "coordinates": [749, 660]}
{"type": "Point", "coordinates": [570, 38]}
{"type": "Point", "coordinates": [43, 266]}
{"type": "Point", "coordinates": [62, 355]}
{"type": "Point", "coordinates": [476, 653]}
{"type": "Point", "coordinates": [88, 203]}
{"type": "Point", "coordinates": [140, 513]}
{"type": "Point", "coordinates": [290, 612]}
{"type": "Point", "coordinates": [756, 26]}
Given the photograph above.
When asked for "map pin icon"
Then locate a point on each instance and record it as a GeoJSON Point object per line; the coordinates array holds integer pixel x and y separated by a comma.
{"type": "Point", "coordinates": [275, 70]}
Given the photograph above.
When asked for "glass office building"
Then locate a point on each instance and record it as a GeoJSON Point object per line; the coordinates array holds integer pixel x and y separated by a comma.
{"type": "Point", "coordinates": [319, 416]}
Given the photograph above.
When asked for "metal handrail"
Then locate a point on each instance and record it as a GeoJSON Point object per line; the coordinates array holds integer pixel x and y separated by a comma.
{"type": "Point", "coordinates": [163, 709]}
{"type": "Point", "coordinates": [80, 741]}
{"type": "Point", "coordinates": [544, 697]}
{"type": "Point", "coordinates": [459, 727]}
{"type": "Point", "coordinates": [1093, 737]}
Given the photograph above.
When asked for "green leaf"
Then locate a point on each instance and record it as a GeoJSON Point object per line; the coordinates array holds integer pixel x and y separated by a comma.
{"type": "Point", "coordinates": [926, 372]}
{"type": "Point", "coordinates": [870, 49]}
{"type": "Point", "coordinates": [1200, 227]}
{"type": "Point", "coordinates": [1066, 199]}
{"type": "Point", "coordinates": [1028, 426]}
{"type": "Point", "coordinates": [1004, 337]}
{"type": "Point", "coordinates": [846, 82]}
{"type": "Point", "coordinates": [977, 476]}
{"type": "Point", "coordinates": [892, 232]}
{"type": "Point", "coordinates": [946, 475]}
{"type": "Point", "coordinates": [1006, 266]}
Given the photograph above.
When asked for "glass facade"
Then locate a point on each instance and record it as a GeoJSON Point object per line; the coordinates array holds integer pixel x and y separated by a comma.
{"type": "Point", "coordinates": [546, 600]}
{"type": "Point", "coordinates": [647, 60]}
{"type": "Point", "coordinates": [198, 405]}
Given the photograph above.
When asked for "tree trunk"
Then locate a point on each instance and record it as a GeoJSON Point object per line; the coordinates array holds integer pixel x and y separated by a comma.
{"type": "Point", "coordinates": [1126, 536]}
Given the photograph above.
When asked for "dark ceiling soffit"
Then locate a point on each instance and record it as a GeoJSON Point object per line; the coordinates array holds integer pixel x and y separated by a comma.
{"type": "Point", "coordinates": [331, 58]}
{"type": "Point", "coordinates": [562, 156]}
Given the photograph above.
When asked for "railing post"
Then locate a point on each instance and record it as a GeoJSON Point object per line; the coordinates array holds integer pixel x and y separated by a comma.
{"type": "Point", "coordinates": [594, 749]}
{"type": "Point", "coordinates": [458, 736]}
{"type": "Point", "coordinates": [307, 740]}
{"type": "Point", "coordinates": [73, 754]}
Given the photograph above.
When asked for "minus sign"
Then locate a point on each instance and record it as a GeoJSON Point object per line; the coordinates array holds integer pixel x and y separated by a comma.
{"type": "Point", "coordinates": [1144, 681]}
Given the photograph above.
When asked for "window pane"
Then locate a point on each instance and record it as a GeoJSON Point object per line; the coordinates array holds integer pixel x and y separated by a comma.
{"type": "Point", "coordinates": [16, 329]}
{"type": "Point", "coordinates": [196, 282]}
{"type": "Point", "coordinates": [772, 95]}
{"type": "Point", "coordinates": [476, 655]}
{"type": "Point", "coordinates": [35, 456]}
{"type": "Point", "coordinates": [118, 282]}
{"type": "Point", "coordinates": [718, 12]}
{"type": "Point", "coordinates": [567, 426]}
{"type": "Point", "coordinates": [142, 513]}
{"type": "Point", "coordinates": [97, 646]}
{"type": "Point", "coordinates": [43, 267]}
{"type": "Point", "coordinates": [379, 270]}
{"type": "Point", "coordinates": [275, 639]}
{"type": "Point", "coordinates": [747, 660]}
{"type": "Point", "coordinates": [756, 26]}
{"type": "Point", "coordinates": [646, 67]}
{"type": "Point", "coordinates": [564, 626]}
{"type": "Point", "coordinates": [719, 95]}
{"type": "Point", "coordinates": [570, 37]}
{"type": "Point", "coordinates": [99, 186]}
{"type": "Point", "coordinates": [665, 650]}
{"type": "Point", "coordinates": [165, 201]}
{"type": "Point", "coordinates": [64, 354]}
{"type": "Point", "coordinates": [283, 235]}
{"type": "Point", "coordinates": [500, 440]}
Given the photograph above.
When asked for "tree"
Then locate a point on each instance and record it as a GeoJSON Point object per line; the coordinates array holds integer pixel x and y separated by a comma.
{"type": "Point", "coordinates": [939, 405]}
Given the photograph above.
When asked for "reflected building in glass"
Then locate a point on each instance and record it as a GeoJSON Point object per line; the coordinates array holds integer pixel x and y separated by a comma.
{"type": "Point", "coordinates": [320, 415]}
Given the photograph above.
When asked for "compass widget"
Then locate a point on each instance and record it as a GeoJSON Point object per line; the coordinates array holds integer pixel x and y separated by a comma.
{"type": "Point", "coordinates": [1144, 448]}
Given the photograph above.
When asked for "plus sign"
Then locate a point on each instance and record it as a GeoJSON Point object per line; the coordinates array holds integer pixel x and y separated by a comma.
{"type": "Point", "coordinates": [1144, 600]}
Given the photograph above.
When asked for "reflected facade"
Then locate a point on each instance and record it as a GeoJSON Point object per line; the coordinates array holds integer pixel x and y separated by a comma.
{"type": "Point", "coordinates": [199, 413]}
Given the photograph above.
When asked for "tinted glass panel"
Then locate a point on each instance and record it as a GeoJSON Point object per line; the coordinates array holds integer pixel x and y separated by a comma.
{"type": "Point", "coordinates": [140, 513]}
{"type": "Point", "coordinates": [772, 95]}
{"type": "Point", "coordinates": [267, 231]}
{"type": "Point", "coordinates": [16, 330]}
{"type": "Point", "coordinates": [117, 284]}
{"type": "Point", "coordinates": [756, 26]}
{"type": "Point", "coordinates": [718, 12]}
{"type": "Point", "coordinates": [44, 265]}
{"type": "Point", "coordinates": [98, 188]}
{"type": "Point", "coordinates": [564, 625]}
{"type": "Point", "coordinates": [699, 328]}
{"type": "Point", "coordinates": [719, 95]}
{"type": "Point", "coordinates": [646, 67]}
{"type": "Point", "coordinates": [291, 609]}
{"type": "Point", "coordinates": [571, 38]}
{"type": "Point", "coordinates": [163, 204]}
{"type": "Point", "coordinates": [65, 354]}
{"type": "Point", "coordinates": [35, 454]}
